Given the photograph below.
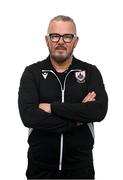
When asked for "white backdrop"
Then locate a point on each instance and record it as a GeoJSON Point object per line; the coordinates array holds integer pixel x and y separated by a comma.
{"type": "Point", "coordinates": [23, 25]}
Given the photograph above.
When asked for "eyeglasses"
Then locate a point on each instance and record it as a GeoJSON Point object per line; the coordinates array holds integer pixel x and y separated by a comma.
{"type": "Point", "coordinates": [67, 38]}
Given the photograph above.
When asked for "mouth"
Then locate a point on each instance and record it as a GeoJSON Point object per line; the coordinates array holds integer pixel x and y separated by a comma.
{"type": "Point", "coordinates": [60, 48]}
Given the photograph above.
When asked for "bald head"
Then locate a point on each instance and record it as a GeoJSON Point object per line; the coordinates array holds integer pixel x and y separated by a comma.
{"type": "Point", "coordinates": [60, 22]}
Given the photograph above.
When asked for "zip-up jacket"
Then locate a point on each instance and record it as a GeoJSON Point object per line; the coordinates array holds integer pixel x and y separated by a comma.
{"type": "Point", "coordinates": [64, 138]}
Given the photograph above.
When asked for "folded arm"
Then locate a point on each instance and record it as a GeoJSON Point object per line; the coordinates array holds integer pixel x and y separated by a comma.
{"type": "Point", "coordinates": [34, 117]}
{"type": "Point", "coordinates": [86, 111]}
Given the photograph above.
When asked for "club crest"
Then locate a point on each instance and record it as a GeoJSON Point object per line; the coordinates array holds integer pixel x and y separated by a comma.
{"type": "Point", "coordinates": [80, 76]}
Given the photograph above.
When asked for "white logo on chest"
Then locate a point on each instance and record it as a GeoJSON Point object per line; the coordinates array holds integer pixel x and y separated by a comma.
{"type": "Point", "coordinates": [80, 76]}
{"type": "Point", "coordinates": [45, 75]}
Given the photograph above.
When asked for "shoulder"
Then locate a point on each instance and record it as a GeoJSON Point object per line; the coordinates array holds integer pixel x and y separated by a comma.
{"type": "Point", "coordinates": [38, 66]}
{"type": "Point", "coordinates": [33, 71]}
{"type": "Point", "coordinates": [84, 65]}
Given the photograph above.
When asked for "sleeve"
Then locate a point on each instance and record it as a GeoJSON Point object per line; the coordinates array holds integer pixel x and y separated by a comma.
{"type": "Point", "coordinates": [31, 115]}
{"type": "Point", "coordinates": [94, 111]}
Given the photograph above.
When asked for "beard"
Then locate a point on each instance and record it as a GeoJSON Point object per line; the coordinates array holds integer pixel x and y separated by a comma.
{"type": "Point", "coordinates": [61, 56]}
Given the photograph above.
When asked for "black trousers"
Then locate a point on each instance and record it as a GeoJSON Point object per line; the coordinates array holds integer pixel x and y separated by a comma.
{"type": "Point", "coordinates": [87, 173]}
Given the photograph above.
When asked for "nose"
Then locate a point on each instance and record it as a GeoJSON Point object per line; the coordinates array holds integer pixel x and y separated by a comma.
{"type": "Point", "coordinates": [61, 41]}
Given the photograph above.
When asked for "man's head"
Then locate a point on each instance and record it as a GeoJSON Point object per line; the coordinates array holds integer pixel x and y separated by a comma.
{"type": "Point", "coordinates": [61, 38]}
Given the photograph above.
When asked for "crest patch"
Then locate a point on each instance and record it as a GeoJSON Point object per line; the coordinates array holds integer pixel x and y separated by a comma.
{"type": "Point", "coordinates": [80, 76]}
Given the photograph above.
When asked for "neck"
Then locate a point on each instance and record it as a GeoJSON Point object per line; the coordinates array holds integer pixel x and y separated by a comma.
{"type": "Point", "coordinates": [63, 66]}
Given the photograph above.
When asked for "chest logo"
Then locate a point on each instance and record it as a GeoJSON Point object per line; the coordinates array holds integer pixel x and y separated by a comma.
{"type": "Point", "coordinates": [80, 76]}
{"type": "Point", "coordinates": [45, 75]}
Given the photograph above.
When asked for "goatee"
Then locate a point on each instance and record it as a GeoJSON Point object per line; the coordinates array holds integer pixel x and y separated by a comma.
{"type": "Point", "coordinates": [59, 59]}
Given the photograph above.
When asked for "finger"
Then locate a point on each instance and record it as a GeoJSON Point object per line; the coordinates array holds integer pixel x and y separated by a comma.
{"type": "Point", "coordinates": [93, 95]}
{"type": "Point", "coordinates": [89, 97]}
{"type": "Point", "coordinates": [86, 97]}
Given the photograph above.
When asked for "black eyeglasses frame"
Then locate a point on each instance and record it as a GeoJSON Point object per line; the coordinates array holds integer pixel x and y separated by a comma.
{"type": "Point", "coordinates": [63, 37]}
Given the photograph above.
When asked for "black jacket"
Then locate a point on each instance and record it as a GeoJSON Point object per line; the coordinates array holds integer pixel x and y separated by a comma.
{"type": "Point", "coordinates": [63, 138]}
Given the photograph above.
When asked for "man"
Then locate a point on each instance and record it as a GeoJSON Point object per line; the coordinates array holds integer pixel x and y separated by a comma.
{"type": "Point", "coordinates": [59, 99]}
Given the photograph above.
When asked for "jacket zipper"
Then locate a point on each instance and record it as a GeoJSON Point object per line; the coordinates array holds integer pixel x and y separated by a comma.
{"type": "Point", "coordinates": [62, 91]}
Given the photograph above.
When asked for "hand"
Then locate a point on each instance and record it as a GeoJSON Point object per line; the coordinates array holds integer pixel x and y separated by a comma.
{"type": "Point", "coordinates": [90, 97]}
{"type": "Point", "coordinates": [45, 106]}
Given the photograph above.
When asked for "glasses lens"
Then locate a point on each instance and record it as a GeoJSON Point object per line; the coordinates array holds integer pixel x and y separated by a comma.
{"type": "Point", "coordinates": [68, 37]}
{"type": "Point", "coordinates": [54, 37]}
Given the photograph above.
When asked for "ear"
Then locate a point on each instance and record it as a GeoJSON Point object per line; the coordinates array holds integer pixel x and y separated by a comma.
{"type": "Point", "coordinates": [46, 39]}
{"type": "Point", "coordinates": [76, 41]}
